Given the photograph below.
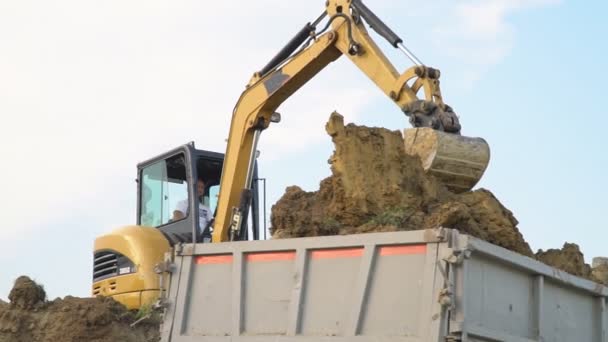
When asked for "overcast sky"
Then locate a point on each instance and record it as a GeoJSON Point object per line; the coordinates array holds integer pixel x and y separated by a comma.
{"type": "Point", "coordinates": [90, 88]}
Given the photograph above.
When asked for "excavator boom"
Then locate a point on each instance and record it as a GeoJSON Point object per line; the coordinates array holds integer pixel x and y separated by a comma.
{"type": "Point", "coordinates": [456, 160]}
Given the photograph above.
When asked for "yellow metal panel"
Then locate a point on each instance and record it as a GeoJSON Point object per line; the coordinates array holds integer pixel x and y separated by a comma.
{"type": "Point", "coordinates": [145, 247]}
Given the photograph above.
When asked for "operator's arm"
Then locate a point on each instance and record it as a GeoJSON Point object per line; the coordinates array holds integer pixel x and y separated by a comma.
{"type": "Point", "coordinates": [177, 215]}
{"type": "Point", "coordinates": [180, 210]}
{"type": "Point", "coordinates": [285, 74]}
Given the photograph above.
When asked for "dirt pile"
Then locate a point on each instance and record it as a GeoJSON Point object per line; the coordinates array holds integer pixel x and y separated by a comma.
{"type": "Point", "coordinates": [29, 317]}
{"type": "Point", "coordinates": [376, 186]}
{"type": "Point", "coordinates": [26, 294]}
{"type": "Point", "coordinates": [569, 259]}
{"type": "Point", "coordinates": [599, 272]}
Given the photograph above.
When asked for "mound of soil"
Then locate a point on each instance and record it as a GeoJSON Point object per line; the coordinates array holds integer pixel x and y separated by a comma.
{"type": "Point", "coordinates": [599, 272]}
{"type": "Point", "coordinates": [30, 318]}
{"type": "Point", "coordinates": [569, 259]}
{"type": "Point", "coordinates": [26, 294]}
{"type": "Point", "coordinates": [375, 186]}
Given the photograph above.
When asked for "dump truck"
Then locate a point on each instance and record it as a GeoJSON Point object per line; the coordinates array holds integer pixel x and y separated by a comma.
{"type": "Point", "coordinates": [431, 285]}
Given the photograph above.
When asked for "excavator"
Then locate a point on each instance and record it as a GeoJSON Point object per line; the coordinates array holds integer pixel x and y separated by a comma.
{"type": "Point", "coordinates": [128, 261]}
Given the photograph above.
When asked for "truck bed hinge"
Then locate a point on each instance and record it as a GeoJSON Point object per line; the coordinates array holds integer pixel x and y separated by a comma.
{"type": "Point", "coordinates": [457, 256]}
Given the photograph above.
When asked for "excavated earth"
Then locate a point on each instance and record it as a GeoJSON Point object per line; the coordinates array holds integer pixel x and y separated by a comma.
{"type": "Point", "coordinates": [29, 317]}
{"type": "Point", "coordinates": [375, 186]}
{"type": "Point", "coordinates": [569, 258]}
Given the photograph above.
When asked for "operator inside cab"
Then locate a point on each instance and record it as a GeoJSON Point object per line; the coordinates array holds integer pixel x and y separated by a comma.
{"type": "Point", "coordinates": [204, 213]}
{"type": "Point", "coordinates": [165, 192]}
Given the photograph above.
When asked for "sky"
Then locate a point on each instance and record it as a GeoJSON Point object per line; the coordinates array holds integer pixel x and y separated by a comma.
{"type": "Point", "coordinates": [90, 88]}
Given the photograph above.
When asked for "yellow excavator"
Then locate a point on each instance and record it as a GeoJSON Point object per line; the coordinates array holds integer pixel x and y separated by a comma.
{"type": "Point", "coordinates": [128, 261]}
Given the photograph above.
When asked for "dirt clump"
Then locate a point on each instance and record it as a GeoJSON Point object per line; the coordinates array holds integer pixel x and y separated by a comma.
{"type": "Point", "coordinates": [30, 318]}
{"type": "Point", "coordinates": [26, 294]}
{"type": "Point", "coordinates": [569, 258]}
{"type": "Point", "coordinates": [375, 186]}
{"type": "Point", "coordinates": [599, 272]}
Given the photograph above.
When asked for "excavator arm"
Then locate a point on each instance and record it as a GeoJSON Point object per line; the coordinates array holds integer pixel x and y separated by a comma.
{"type": "Point", "coordinates": [345, 35]}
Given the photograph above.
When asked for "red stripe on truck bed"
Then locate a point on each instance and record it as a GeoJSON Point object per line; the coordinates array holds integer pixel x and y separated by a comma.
{"type": "Point", "coordinates": [337, 253]}
{"type": "Point", "coordinates": [317, 254]}
{"type": "Point", "coordinates": [402, 250]}
{"type": "Point", "coordinates": [213, 259]}
{"type": "Point", "coordinates": [271, 256]}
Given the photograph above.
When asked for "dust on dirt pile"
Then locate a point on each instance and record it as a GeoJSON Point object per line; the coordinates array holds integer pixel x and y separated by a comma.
{"type": "Point", "coordinates": [375, 186]}
{"type": "Point", "coordinates": [30, 318]}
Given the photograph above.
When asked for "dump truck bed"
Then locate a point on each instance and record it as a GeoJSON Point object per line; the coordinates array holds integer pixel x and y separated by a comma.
{"type": "Point", "coordinates": [432, 285]}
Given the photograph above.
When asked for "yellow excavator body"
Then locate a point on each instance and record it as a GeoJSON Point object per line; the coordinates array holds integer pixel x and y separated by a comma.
{"type": "Point", "coordinates": [124, 265]}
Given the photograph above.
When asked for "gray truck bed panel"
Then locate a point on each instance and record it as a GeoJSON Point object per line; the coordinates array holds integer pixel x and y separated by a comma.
{"type": "Point", "coordinates": [403, 286]}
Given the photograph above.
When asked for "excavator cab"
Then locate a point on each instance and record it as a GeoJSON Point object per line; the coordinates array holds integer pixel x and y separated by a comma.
{"type": "Point", "coordinates": [168, 182]}
{"type": "Point", "coordinates": [125, 259]}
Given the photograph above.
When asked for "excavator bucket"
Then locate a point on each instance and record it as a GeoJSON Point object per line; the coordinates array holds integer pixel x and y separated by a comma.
{"type": "Point", "coordinates": [455, 160]}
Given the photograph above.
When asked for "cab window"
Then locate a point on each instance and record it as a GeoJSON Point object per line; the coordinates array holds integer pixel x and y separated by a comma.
{"type": "Point", "coordinates": [164, 189]}
{"type": "Point", "coordinates": [210, 169]}
{"type": "Point", "coordinates": [214, 192]}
